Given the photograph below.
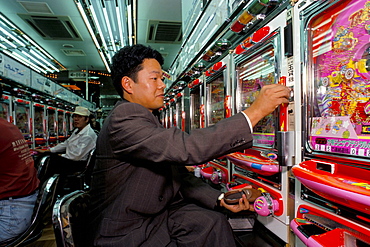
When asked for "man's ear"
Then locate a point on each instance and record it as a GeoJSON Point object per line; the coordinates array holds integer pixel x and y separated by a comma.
{"type": "Point", "coordinates": [126, 83]}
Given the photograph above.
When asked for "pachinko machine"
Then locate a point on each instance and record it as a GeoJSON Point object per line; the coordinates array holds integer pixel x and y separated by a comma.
{"type": "Point", "coordinates": [217, 92]}
{"type": "Point", "coordinates": [5, 108]}
{"type": "Point", "coordinates": [260, 61]}
{"type": "Point", "coordinates": [22, 118]}
{"type": "Point", "coordinates": [68, 123]}
{"type": "Point", "coordinates": [51, 117]}
{"type": "Point", "coordinates": [333, 196]}
{"type": "Point", "coordinates": [62, 134]}
{"type": "Point", "coordinates": [39, 124]}
{"type": "Point", "coordinates": [197, 115]}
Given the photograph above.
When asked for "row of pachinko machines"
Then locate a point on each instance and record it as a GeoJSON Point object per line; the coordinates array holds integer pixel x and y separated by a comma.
{"type": "Point", "coordinates": [311, 157]}
{"type": "Point", "coordinates": [42, 120]}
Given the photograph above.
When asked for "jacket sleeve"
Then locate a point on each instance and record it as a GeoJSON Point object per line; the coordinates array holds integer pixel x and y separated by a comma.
{"type": "Point", "coordinates": [135, 131]}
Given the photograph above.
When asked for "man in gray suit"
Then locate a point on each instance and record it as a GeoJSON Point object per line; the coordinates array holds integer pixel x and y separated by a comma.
{"type": "Point", "coordinates": [141, 192]}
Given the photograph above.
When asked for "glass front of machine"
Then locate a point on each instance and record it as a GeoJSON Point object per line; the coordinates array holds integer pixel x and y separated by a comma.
{"type": "Point", "coordinates": [39, 125]}
{"type": "Point", "coordinates": [51, 121]}
{"type": "Point", "coordinates": [69, 126]}
{"type": "Point", "coordinates": [215, 98]}
{"type": "Point", "coordinates": [4, 110]}
{"type": "Point", "coordinates": [195, 105]}
{"type": "Point", "coordinates": [61, 128]}
{"type": "Point", "coordinates": [254, 73]}
{"type": "Point", "coordinates": [22, 120]}
{"type": "Point", "coordinates": [178, 115]}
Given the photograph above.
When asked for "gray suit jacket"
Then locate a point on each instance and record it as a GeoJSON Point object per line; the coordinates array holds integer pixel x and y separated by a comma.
{"type": "Point", "coordinates": [140, 168]}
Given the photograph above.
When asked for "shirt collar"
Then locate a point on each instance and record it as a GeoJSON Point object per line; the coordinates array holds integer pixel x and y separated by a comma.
{"type": "Point", "coordinates": [83, 131]}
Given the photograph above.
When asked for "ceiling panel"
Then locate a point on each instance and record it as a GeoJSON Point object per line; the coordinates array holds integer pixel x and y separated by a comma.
{"type": "Point", "coordinates": [159, 10]}
{"type": "Point", "coordinates": [66, 9]}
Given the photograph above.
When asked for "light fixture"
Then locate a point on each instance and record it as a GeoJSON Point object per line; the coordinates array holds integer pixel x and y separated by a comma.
{"type": "Point", "coordinates": [24, 61]}
{"type": "Point", "coordinates": [92, 34]}
{"type": "Point", "coordinates": [130, 16]}
{"type": "Point", "coordinates": [17, 45]}
{"type": "Point", "coordinates": [109, 24]}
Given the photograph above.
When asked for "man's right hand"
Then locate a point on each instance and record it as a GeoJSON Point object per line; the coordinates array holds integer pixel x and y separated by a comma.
{"type": "Point", "coordinates": [269, 98]}
{"type": "Point", "coordinates": [39, 150]}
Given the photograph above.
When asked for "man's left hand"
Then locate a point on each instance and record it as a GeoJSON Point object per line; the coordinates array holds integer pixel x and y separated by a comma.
{"type": "Point", "coordinates": [243, 205]}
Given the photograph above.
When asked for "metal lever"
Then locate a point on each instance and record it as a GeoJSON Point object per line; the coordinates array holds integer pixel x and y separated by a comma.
{"type": "Point", "coordinates": [285, 147]}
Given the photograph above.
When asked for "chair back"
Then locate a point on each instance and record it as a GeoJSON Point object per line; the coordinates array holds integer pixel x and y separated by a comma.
{"type": "Point", "coordinates": [85, 176]}
{"type": "Point", "coordinates": [80, 180]}
{"type": "Point", "coordinates": [42, 166]}
{"type": "Point", "coordinates": [90, 160]}
{"type": "Point", "coordinates": [41, 214]}
{"type": "Point", "coordinates": [70, 217]}
{"type": "Point", "coordinates": [89, 169]}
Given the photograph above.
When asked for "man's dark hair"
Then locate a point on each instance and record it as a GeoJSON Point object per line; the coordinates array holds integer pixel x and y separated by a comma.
{"type": "Point", "coordinates": [128, 62]}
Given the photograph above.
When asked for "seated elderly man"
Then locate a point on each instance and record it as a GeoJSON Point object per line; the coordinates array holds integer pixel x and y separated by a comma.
{"type": "Point", "coordinates": [76, 148]}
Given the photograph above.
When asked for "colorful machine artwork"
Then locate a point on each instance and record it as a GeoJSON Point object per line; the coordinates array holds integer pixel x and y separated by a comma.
{"type": "Point", "coordinates": [340, 122]}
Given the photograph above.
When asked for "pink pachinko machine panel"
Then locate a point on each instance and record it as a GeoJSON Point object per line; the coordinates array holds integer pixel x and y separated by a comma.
{"type": "Point", "coordinates": [335, 172]}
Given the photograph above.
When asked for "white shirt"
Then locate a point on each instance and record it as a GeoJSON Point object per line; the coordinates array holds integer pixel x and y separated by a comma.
{"type": "Point", "coordinates": [249, 121]}
{"type": "Point", "coordinates": [78, 145]}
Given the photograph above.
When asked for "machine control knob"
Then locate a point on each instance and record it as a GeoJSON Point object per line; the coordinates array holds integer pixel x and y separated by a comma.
{"type": "Point", "coordinates": [265, 205]}
{"type": "Point", "coordinates": [216, 177]}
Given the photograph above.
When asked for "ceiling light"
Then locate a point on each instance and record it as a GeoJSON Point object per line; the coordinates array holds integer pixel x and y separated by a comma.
{"type": "Point", "coordinates": [110, 24]}
{"type": "Point", "coordinates": [92, 34]}
{"type": "Point", "coordinates": [15, 43]}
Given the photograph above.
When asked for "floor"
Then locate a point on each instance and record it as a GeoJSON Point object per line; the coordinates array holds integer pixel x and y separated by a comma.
{"type": "Point", "coordinates": [47, 239]}
{"type": "Point", "coordinates": [259, 237]}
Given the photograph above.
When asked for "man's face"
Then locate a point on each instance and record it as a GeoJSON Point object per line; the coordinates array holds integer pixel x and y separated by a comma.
{"type": "Point", "coordinates": [148, 90]}
{"type": "Point", "coordinates": [79, 121]}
